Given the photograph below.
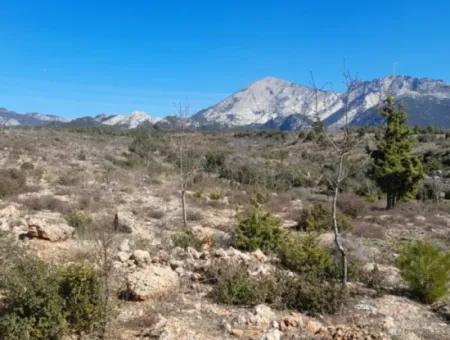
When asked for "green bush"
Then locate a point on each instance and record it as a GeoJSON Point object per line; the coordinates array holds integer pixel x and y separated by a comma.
{"type": "Point", "coordinates": [258, 230]}
{"type": "Point", "coordinates": [34, 308]}
{"type": "Point", "coordinates": [12, 181]}
{"type": "Point", "coordinates": [40, 301]}
{"type": "Point", "coordinates": [216, 195]}
{"type": "Point", "coordinates": [234, 286]}
{"type": "Point", "coordinates": [309, 293]}
{"type": "Point", "coordinates": [187, 238]}
{"type": "Point", "coordinates": [84, 302]}
{"type": "Point", "coordinates": [306, 293]}
{"type": "Point", "coordinates": [302, 254]}
{"type": "Point", "coordinates": [215, 160]}
{"type": "Point", "coordinates": [426, 269]}
{"type": "Point", "coordinates": [319, 219]}
{"type": "Point", "coordinates": [80, 221]}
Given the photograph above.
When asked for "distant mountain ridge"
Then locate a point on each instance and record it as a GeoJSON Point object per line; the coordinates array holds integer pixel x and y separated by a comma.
{"type": "Point", "coordinates": [272, 103]}
{"type": "Point", "coordinates": [283, 105]}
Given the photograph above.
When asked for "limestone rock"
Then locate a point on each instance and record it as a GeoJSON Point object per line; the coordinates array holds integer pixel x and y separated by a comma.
{"type": "Point", "coordinates": [49, 226]}
{"type": "Point", "coordinates": [272, 334]}
{"type": "Point", "coordinates": [124, 222]}
{"type": "Point", "coordinates": [151, 282]}
{"type": "Point", "coordinates": [141, 257]}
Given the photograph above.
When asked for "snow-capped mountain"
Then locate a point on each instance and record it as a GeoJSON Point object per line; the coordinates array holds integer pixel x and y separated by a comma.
{"type": "Point", "coordinates": [275, 103]}
{"type": "Point", "coordinates": [268, 99]}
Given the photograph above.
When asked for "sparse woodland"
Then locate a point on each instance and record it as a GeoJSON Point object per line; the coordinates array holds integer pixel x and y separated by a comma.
{"type": "Point", "coordinates": [154, 234]}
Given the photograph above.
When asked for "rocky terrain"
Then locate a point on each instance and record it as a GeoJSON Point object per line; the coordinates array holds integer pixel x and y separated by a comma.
{"type": "Point", "coordinates": [161, 289]}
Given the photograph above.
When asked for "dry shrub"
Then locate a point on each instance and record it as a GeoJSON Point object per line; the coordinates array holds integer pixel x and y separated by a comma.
{"type": "Point", "coordinates": [47, 202]}
{"type": "Point", "coordinates": [194, 215]}
{"type": "Point", "coordinates": [12, 182]}
{"type": "Point", "coordinates": [352, 205]}
{"type": "Point", "coordinates": [280, 202]}
{"type": "Point", "coordinates": [71, 178]}
{"type": "Point", "coordinates": [369, 230]}
{"type": "Point", "coordinates": [156, 214]}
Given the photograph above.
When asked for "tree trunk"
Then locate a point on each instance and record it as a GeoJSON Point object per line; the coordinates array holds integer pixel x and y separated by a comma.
{"type": "Point", "coordinates": [337, 239]}
{"type": "Point", "coordinates": [183, 206]}
{"type": "Point", "coordinates": [391, 199]}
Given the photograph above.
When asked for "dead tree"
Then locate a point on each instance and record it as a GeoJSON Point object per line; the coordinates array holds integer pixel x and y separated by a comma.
{"type": "Point", "coordinates": [341, 149]}
{"type": "Point", "coordinates": [189, 159]}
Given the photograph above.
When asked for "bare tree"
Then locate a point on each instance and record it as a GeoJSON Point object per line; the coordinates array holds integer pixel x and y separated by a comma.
{"type": "Point", "coordinates": [341, 149]}
{"type": "Point", "coordinates": [189, 159]}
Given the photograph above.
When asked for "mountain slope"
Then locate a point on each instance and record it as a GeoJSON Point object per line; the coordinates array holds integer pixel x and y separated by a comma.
{"type": "Point", "coordinates": [12, 118]}
{"type": "Point", "coordinates": [267, 99]}
{"type": "Point", "coordinates": [277, 104]}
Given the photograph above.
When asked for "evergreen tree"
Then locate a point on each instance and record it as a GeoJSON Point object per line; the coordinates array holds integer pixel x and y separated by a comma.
{"type": "Point", "coordinates": [396, 171]}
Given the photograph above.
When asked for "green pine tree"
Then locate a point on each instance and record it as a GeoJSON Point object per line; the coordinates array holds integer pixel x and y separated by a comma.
{"type": "Point", "coordinates": [396, 171]}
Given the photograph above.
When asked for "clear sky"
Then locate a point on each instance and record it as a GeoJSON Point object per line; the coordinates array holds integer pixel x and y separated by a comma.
{"type": "Point", "coordinates": [79, 57]}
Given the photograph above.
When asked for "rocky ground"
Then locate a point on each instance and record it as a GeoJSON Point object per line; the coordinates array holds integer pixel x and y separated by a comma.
{"type": "Point", "coordinates": [162, 289]}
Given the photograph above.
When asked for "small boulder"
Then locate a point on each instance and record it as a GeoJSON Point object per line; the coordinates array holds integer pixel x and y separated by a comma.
{"type": "Point", "coordinates": [49, 226]}
{"type": "Point", "coordinates": [123, 256]}
{"type": "Point", "coordinates": [125, 245]}
{"type": "Point", "coordinates": [124, 222]}
{"type": "Point", "coordinates": [259, 255]}
{"type": "Point", "coordinates": [141, 257]}
{"type": "Point", "coordinates": [264, 313]}
{"type": "Point", "coordinates": [272, 334]}
{"type": "Point", "coordinates": [153, 281]}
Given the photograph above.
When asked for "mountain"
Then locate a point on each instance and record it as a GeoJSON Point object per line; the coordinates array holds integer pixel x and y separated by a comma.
{"type": "Point", "coordinates": [131, 121]}
{"type": "Point", "coordinates": [272, 103]}
{"type": "Point", "coordinates": [267, 99]}
{"type": "Point", "coordinates": [12, 118]}
{"type": "Point", "coordinates": [277, 104]}
{"type": "Point", "coordinates": [427, 101]}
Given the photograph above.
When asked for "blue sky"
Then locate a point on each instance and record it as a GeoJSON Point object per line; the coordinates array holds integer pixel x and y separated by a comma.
{"type": "Point", "coordinates": [76, 58]}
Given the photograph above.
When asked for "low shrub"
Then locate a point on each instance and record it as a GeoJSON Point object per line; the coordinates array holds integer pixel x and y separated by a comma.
{"type": "Point", "coordinates": [234, 286]}
{"type": "Point", "coordinates": [374, 279]}
{"type": "Point", "coordinates": [215, 160]}
{"type": "Point", "coordinates": [319, 219]}
{"type": "Point", "coordinates": [426, 269]}
{"type": "Point", "coordinates": [47, 202]}
{"type": "Point", "coordinates": [12, 182]}
{"type": "Point", "coordinates": [351, 205]}
{"type": "Point", "coordinates": [311, 294]}
{"type": "Point", "coordinates": [26, 166]}
{"type": "Point", "coordinates": [41, 301]}
{"type": "Point", "coordinates": [34, 308]}
{"type": "Point", "coordinates": [187, 238]}
{"type": "Point", "coordinates": [79, 220]}
{"type": "Point", "coordinates": [84, 301]}
{"type": "Point", "coordinates": [302, 254]}
{"type": "Point", "coordinates": [258, 230]}
{"type": "Point", "coordinates": [306, 293]}
{"type": "Point", "coordinates": [194, 215]}
{"type": "Point", "coordinates": [216, 195]}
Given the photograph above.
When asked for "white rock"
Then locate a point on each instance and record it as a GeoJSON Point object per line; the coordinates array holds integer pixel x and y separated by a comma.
{"type": "Point", "coordinates": [125, 245]}
{"type": "Point", "coordinates": [259, 255]}
{"type": "Point", "coordinates": [141, 257]}
{"type": "Point", "coordinates": [264, 313]}
{"type": "Point", "coordinates": [272, 334]}
{"type": "Point", "coordinates": [152, 281]}
{"type": "Point", "coordinates": [49, 226]}
{"type": "Point", "coordinates": [123, 256]}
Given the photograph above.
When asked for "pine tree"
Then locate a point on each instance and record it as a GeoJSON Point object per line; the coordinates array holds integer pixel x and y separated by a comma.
{"type": "Point", "coordinates": [396, 171]}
